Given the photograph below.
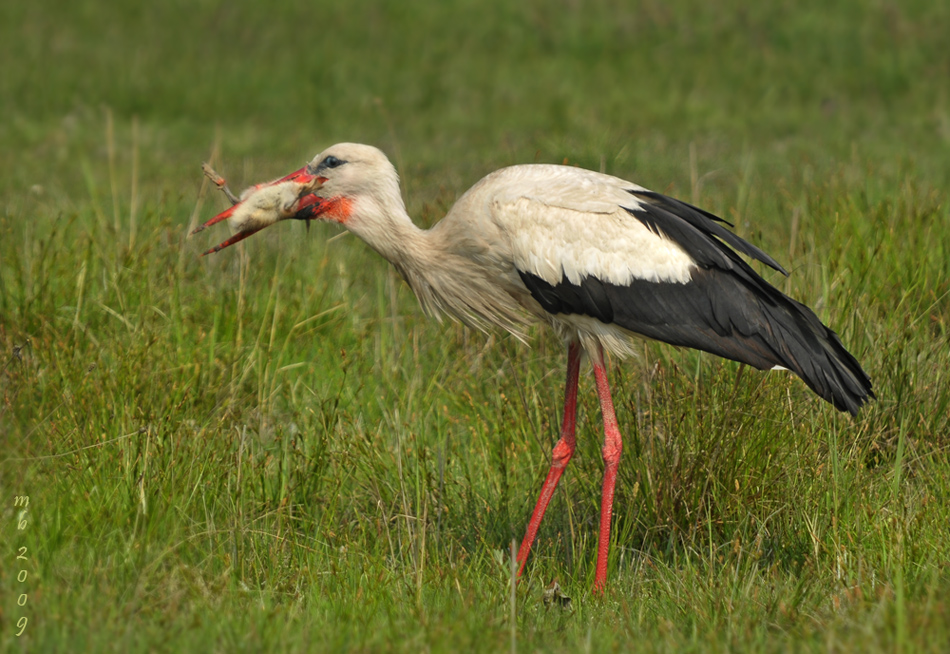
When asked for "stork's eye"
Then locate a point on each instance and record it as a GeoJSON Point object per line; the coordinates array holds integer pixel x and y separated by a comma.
{"type": "Point", "coordinates": [331, 162]}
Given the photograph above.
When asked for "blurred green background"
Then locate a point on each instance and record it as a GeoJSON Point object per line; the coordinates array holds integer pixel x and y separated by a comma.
{"type": "Point", "coordinates": [474, 84]}
{"type": "Point", "coordinates": [271, 449]}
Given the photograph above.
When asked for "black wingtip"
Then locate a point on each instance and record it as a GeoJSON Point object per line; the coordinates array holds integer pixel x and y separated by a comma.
{"type": "Point", "coordinates": [662, 209]}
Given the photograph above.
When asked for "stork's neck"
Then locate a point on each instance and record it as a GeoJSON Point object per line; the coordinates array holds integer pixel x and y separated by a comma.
{"type": "Point", "coordinates": [387, 228]}
{"type": "Point", "coordinates": [446, 267]}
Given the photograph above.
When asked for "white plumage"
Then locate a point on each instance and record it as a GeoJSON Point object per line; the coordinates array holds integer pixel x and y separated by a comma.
{"type": "Point", "coordinates": [569, 222]}
{"type": "Point", "coordinates": [598, 258]}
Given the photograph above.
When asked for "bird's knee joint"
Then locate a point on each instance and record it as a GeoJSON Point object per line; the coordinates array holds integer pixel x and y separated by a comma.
{"type": "Point", "coordinates": [611, 453]}
{"type": "Point", "coordinates": [562, 453]}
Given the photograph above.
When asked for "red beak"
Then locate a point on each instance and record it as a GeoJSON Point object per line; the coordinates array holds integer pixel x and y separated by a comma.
{"type": "Point", "coordinates": [224, 215]}
{"type": "Point", "coordinates": [306, 208]}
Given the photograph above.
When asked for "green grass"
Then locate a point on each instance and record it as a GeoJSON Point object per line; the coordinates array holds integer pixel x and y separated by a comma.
{"type": "Point", "coordinates": [271, 449]}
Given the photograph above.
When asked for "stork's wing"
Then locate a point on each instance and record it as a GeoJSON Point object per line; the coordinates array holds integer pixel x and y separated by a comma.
{"type": "Point", "coordinates": [576, 223]}
{"type": "Point", "coordinates": [594, 245]}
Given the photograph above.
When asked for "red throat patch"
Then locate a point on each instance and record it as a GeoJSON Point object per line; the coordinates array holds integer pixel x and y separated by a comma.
{"type": "Point", "coordinates": [339, 209]}
{"type": "Point", "coordinates": [313, 207]}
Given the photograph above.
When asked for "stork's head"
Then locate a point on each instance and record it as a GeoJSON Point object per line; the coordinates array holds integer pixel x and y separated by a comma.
{"type": "Point", "coordinates": [348, 183]}
{"type": "Point", "coordinates": [358, 174]}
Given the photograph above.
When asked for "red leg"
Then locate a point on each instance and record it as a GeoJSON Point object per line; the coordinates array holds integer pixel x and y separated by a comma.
{"type": "Point", "coordinates": [563, 451]}
{"type": "Point", "coordinates": [612, 449]}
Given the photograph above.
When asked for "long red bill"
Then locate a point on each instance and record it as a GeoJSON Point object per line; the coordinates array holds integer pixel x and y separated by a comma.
{"type": "Point", "coordinates": [309, 207]}
{"type": "Point", "coordinates": [224, 215]}
{"type": "Point", "coordinates": [237, 238]}
{"type": "Point", "coordinates": [300, 205]}
{"type": "Point", "coordinates": [297, 175]}
{"type": "Point", "coordinates": [301, 176]}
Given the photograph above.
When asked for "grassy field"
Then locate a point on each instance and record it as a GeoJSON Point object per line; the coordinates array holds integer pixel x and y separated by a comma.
{"type": "Point", "coordinates": [271, 449]}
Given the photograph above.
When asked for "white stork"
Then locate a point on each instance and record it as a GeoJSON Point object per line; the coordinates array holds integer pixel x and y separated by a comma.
{"type": "Point", "coordinates": [599, 259]}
